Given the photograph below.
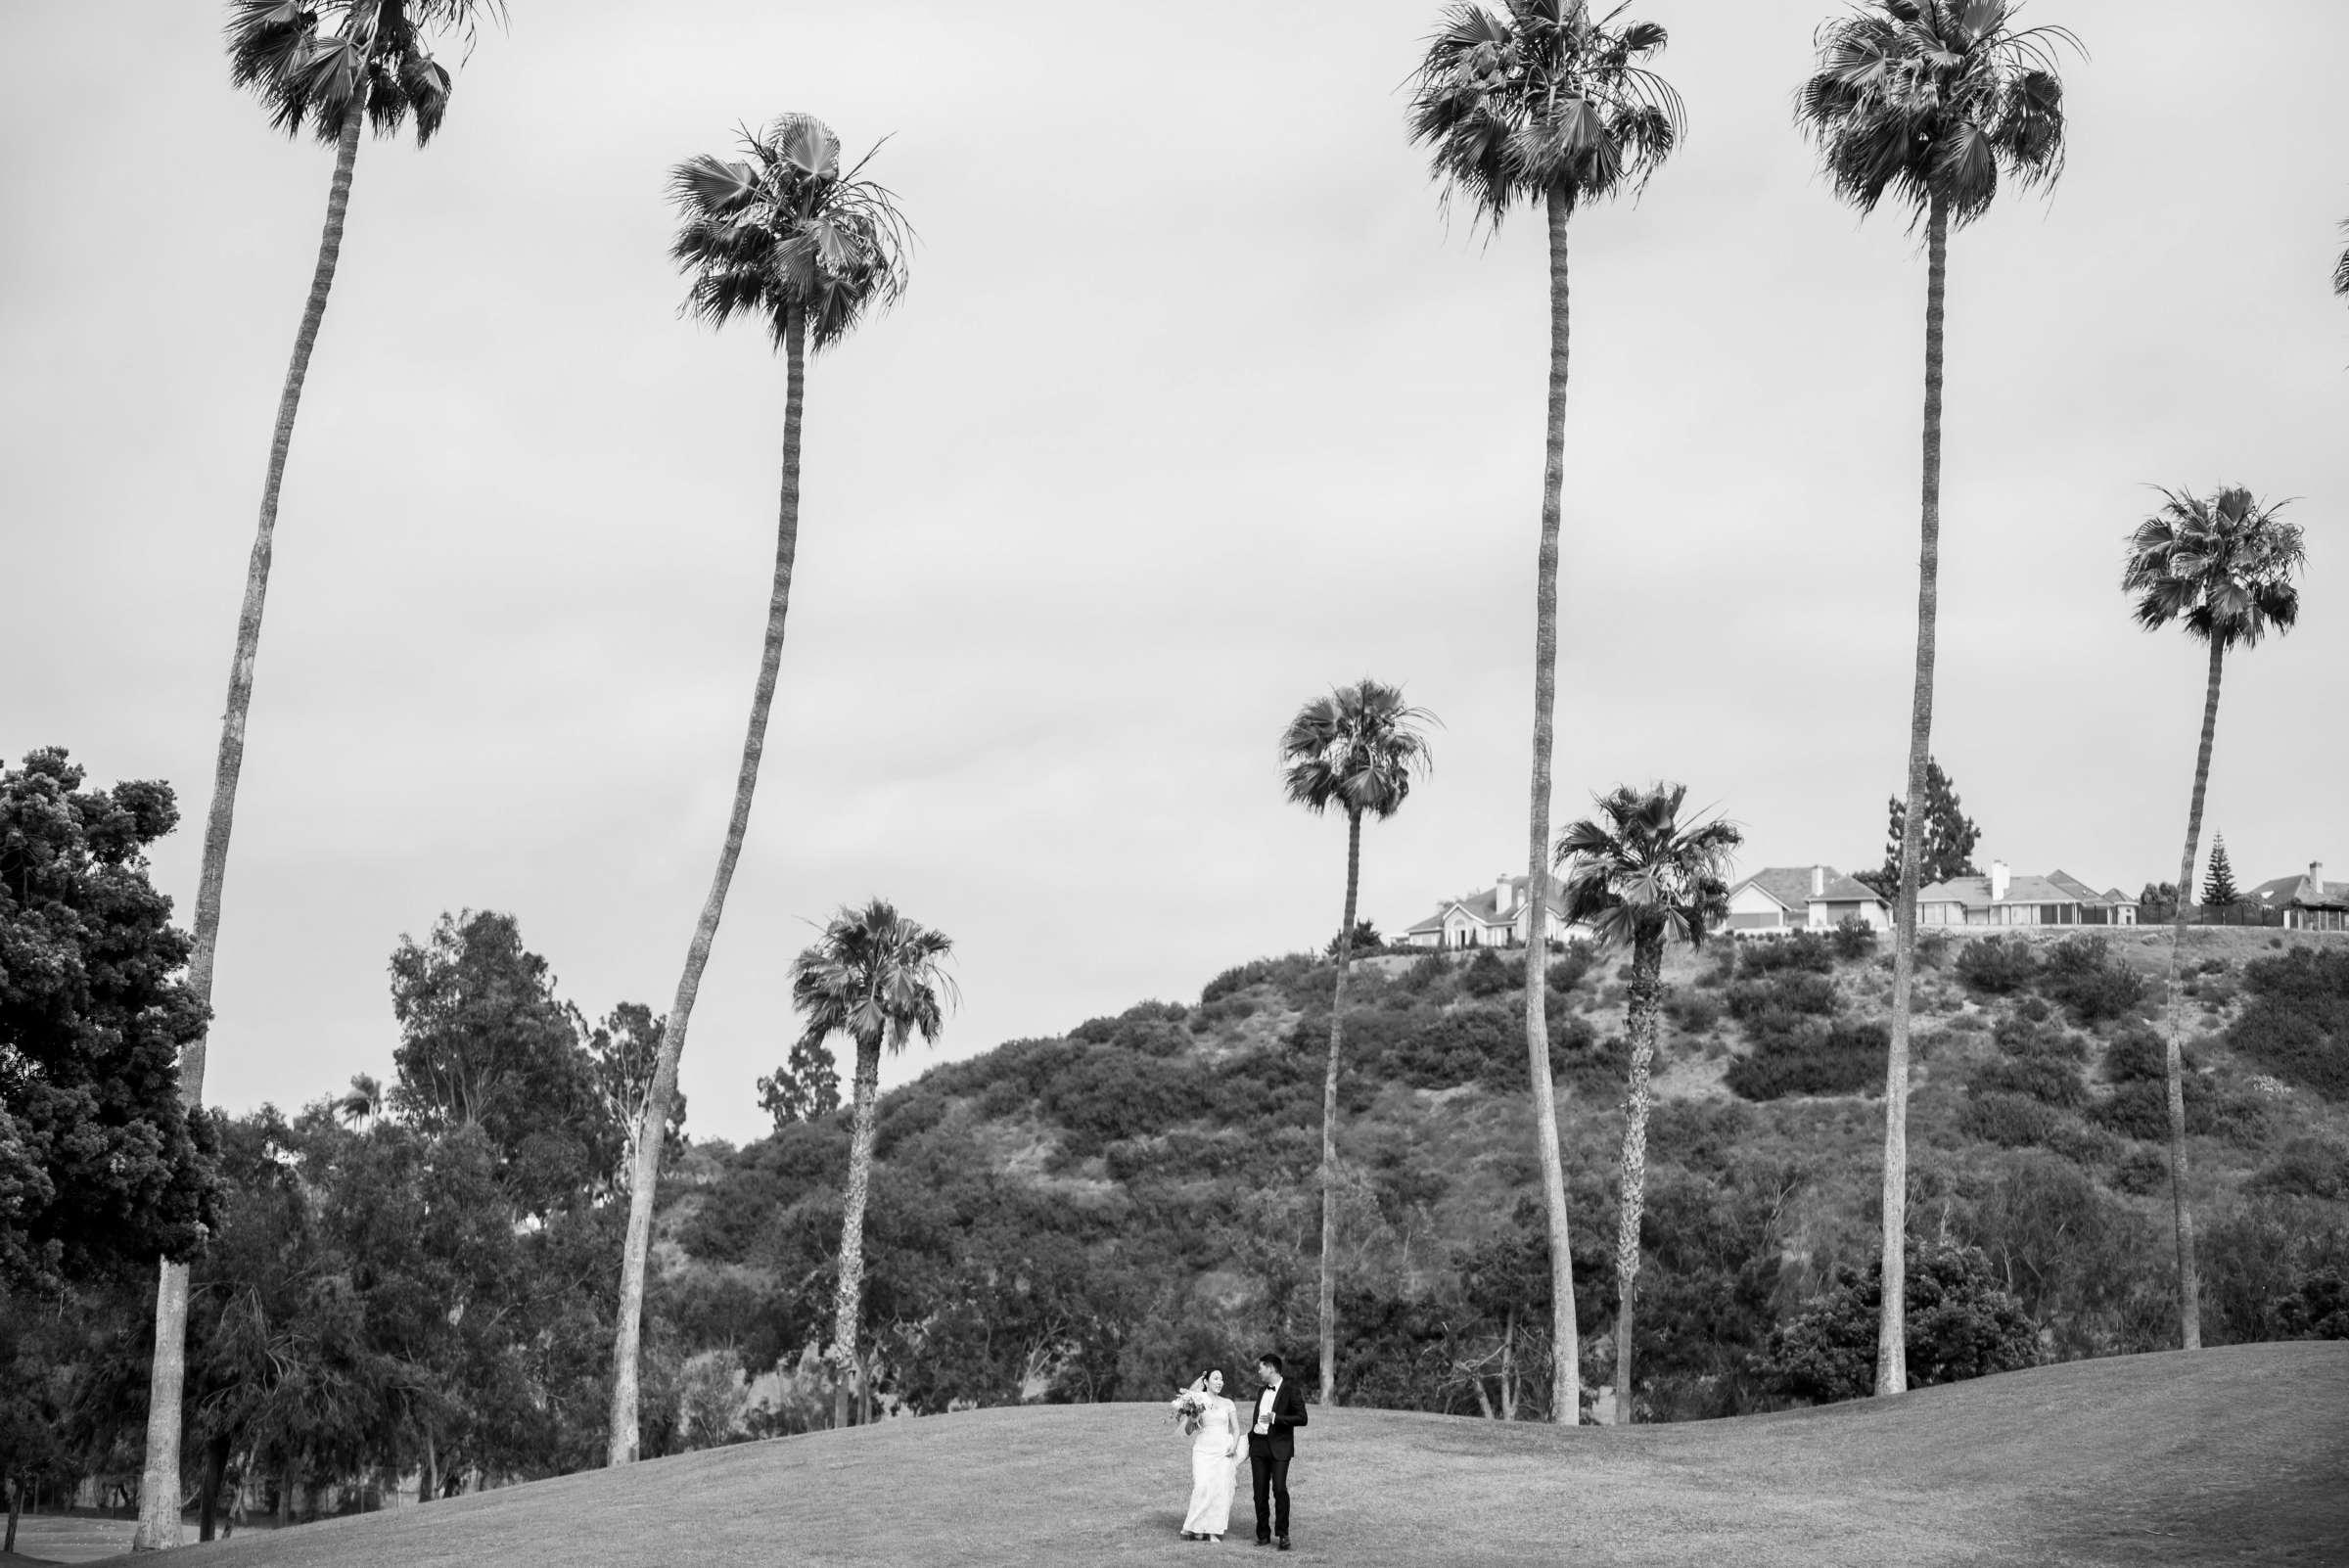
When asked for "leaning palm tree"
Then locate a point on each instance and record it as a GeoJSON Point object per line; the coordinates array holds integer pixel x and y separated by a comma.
{"type": "Point", "coordinates": [2222, 565]}
{"type": "Point", "coordinates": [875, 977]}
{"type": "Point", "coordinates": [2340, 270]}
{"type": "Point", "coordinates": [1357, 749]}
{"type": "Point", "coordinates": [331, 68]}
{"type": "Point", "coordinates": [1638, 878]}
{"type": "Point", "coordinates": [1930, 101]}
{"type": "Point", "coordinates": [788, 237]}
{"type": "Point", "coordinates": [1550, 107]}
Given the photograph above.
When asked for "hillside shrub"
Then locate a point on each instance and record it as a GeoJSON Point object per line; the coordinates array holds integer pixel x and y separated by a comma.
{"type": "Point", "coordinates": [1692, 1012]}
{"type": "Point", "coordinates": [1110, 1093]}
{"type": "Point", "coordinates": [2034, 1011]}
{"type": "Point", "coordinates": [2140, 1109]}
{"type": "Point", "coordinates": [2018, 1035]}
{"type": "Point", "coordinates": [1489, 974]}
{"type": "Point", "coordinates": [2297, 1021]}
{"type": "Point", "coordinates": [2304, 1168]}
{"type": "Point", "coordinates": [2048, 1079]}
{"type": "Point", "coordinates": [1723, 968]}
{"type": "Point", "coordinates": [1853, 940]}
{"type": "Point", "coordinates": [2264, 1269]}
{"type": "Point", "coordinates": [1996, 966]}
{"type": "Point", "coordinates": [2010, 1121]}
{"type": "Point", "coordinates": [1801, 950]}
{"type": "Point", "coordinates": [2081, 974]}
{"type": "Point", "coordinates": [1297, 976]}
{"type": "Point", "coordinates": [1960, 1324]}
{"type": "Point", "coordinates": [1796, 992]}
{"type": "Point", "coordinates": [1933, 949]}
{"type": "Point", "coordinates": [2140, 1169]}
{"type": "Point", "coordinates": [1208, 1017]}
{"type": "Point", "coordinates": [1568, 970]}
{"type": "Point", "coordinates": [1427, 972]}
{"type": "Point", "coordinates": [1845, 1058]}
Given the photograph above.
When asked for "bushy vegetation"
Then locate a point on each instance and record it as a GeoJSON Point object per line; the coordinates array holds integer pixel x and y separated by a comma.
{"type": "Point", "coordinates": [1960, 1322]}
{"type": "Point", "coordinates": [2081, 975]}
{"type": "Point", "coordinates": [2297, 1021]}
{"type": "Point", "coordinates": [1844, 1058]}
{"type": "Point", "coordinates": [1996, 966]}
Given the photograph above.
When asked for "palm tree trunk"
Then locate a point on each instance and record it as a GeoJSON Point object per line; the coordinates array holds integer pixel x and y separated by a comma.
{"type": "Point", "coordinates": [159, 1490]}
{"type": "Point", "coordinates": [216, 1465]}
{"type": "Point", "coordinates": [849, 1296]}
{"type": "Point", "coordinates": [16, 1506]}
{"type": "Point", "coordinates": [1566, 1380]}
{"type": "Point", "coordinates": [1647, 1000]}
{"type": "Point", "coordinates": [1892, 1345]}
{"type": "Point", "coordinates": [644, 1174]}
{"type": "Point", "coordinates": [1329, 1119]}
{"type": "Point", "coordinates": [2190, 1277]}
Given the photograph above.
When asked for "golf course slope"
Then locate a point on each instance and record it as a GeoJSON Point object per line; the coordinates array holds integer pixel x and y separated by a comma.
{"type": "Point", "coordinates": [2239, 1454]}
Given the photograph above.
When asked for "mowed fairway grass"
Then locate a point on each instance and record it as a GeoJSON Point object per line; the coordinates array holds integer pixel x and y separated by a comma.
{"type": "Point", "coordinates": [2240, 1455]}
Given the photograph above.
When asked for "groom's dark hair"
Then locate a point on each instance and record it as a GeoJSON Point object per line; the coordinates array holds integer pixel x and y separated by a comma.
{"type": "Point", "coordinates": [1270, 1358]}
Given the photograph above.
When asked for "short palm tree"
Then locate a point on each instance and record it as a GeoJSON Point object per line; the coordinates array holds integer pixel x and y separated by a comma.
{"type": "Point", "coordinates": [784, 235]}
{"type": "Point", "coordinates": [1543, 102]}
{"type": "Point", "coordinates": [2222, 565]}
{"type": "Point", "coordinates": [875, 977]}
{"type": "Point", "coordinates": [328, 67]}
{"type": "Point", "coordinates": [1931, 102]}
{"type": "Point", "coordinates": [1638, 878]}
{"type": "Point", "coordinates": [1358, 750]}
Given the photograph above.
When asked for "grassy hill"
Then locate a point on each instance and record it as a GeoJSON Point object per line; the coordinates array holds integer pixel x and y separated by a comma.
{"type": "Point", "coordinates": [1091, 1216]}
{"type": "Point", "coordinates": [2237, 1453]}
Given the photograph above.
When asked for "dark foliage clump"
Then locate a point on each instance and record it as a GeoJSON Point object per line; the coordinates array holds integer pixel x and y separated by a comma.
{"type": "Point", "coordinates": [2297, 1021]}
{"type": "Point", "coordinates": [2141, 1169]}
{"type": "Point", "coordinates": [1799, 994]}
{"type": "Point", "coordinates": [2048, 1078]}
{"type": "Point", "coordinates": [2140, 1108]}
{"type": "Point", "coordinates": [2305, 1167]}
{"type": "Point", "coordinates": [2272, 1269]}
{"type": "Point", "coordinates": [1489, 974]}
{"type": "Point", "coordinates": [1960, 1324]}
{"type": "Point", "coordinates": [1428, 972]}
{"type": "Point", "coordinates": [1802, 950]}
{"type": "Point", "coordinates": [1569, 969]}
{"type": "Point", "coordinates": [1996, 966]}
{"type": "Point", "coordinates": [2081, 975]}
{"type": "Point", "coordinates": [2010, 1121]}
{"type": "Point", "coordinates": [1853, 939]}
{"type": "Point", "coordinates": [1846, 1058]}
{"type": "Point", "coordinates": [1692, 1012]}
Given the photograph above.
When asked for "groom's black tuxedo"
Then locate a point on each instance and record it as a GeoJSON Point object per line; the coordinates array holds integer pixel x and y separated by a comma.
{"type": "Point", "coordinates": [1269, 1453]}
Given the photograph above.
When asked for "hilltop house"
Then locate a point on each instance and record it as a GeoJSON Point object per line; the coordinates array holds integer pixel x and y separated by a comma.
{"type": "Point", "coordinates": [2309, 902]}
{"type": "Point", "coordinates": [1803, 897]}
{"type": "Point", "coordinates": [2003, 899]}
{"type": "Point", "coordinates": [1489, 917]}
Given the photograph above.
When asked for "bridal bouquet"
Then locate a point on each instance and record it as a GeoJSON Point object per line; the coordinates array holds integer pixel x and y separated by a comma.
{"type": "Point", "coordinates": [1190, 1408]}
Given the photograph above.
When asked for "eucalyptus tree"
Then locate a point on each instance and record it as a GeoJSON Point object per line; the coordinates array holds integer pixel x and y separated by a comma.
{"type": "Point", "coordinates": [1542, 104]}
{"type": "Point", "coordinates": [1638, 877]}
{"type": "Point", "coordinates": [2221, 567]}
{"type": "Point", "coordinates": [1358, 749]}
{"type": "Point", "coordinates": [330, 69]}
{"type": "Point", "coordinates": [1932, 101]}
{"type": "Point", "coordinates": [877, 978]}
{"type": "Point", "coordinates": [786, 236]}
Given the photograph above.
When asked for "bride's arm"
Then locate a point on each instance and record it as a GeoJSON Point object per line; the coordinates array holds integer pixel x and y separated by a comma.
{"type": "Point", "coordinates": [1231, 1419]}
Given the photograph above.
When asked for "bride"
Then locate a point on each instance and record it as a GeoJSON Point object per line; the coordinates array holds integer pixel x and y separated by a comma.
{"type": "Point", "coordinates": [1215, 1446]}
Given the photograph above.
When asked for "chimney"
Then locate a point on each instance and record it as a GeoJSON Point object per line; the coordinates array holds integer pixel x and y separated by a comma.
{"type": "Point", "coordinates": [1998, 881]}
{"type": "Point", "coordinates": [1504, 894]}
{"type": "Point", "coordinates": [1819, 882]}
{"type": "Point", "coordinates": [2315, 877]}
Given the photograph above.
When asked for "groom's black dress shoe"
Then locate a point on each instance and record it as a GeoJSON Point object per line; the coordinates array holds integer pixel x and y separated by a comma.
{"type": "Point", "coordinates": [1282, 1543]}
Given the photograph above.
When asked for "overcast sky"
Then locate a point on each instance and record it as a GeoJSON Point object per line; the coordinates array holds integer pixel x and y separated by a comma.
{"type": "Point", "coordinates": [1196, 406]}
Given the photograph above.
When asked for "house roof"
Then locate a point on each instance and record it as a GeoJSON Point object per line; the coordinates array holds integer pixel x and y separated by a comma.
{"type": "Point", "coordinates": [2056, 886]}
{"type": "Point", "coordinates": [1481, 907]}
{"type": "Point", "coordinates": [2301, 890]}
{"type": "Point", "coordinates": [1790, 887]}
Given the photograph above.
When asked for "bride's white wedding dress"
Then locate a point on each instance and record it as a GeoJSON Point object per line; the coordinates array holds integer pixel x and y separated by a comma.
{"type": "Point", "coordinates": [1213, 1470]}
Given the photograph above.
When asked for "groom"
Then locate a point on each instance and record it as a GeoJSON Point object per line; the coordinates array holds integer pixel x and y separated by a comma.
{"type": "Point", "coordinates": [1271, 1444]}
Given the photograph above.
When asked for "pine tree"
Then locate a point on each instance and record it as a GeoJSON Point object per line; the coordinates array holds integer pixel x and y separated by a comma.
{"type": "Point", "coordinates": [1947, 842]}
{"type": "Point", "coordinates": [2218, 881]}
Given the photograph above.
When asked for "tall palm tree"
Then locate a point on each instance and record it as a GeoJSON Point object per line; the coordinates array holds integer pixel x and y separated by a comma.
{"type": "Point", "coordinates": [2340, 270]}
{"type": "Point", "coordinates": [1547, 106]}
{"type": "Point", "coordinates": [873, 976]}
{"type": "Point", "coordinates": [2223, 566]}
{"type": "Point", "coordinates": [1639, 878]}
{"type": "Point", "coordinates": [1931, 101]}
{"type": "Point", "coordinates": [787, 237]}
{"type": "Point", "coordinates": [330, 68]}
{"type": "Point", "coordinates": [1357, 749]}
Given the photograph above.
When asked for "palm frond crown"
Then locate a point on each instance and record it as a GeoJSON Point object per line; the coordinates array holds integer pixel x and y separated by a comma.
{"type": "Point", "coordinates": [1359, 749]}
{"type": "Point", "coordinates": [1540, 99]}
{"type": "Point", "coordinates": [1635, 870]}
{"type": "Point", "coordinates": [1936, 100]}
{"type": "Point", "coordinates": [786, 227]}
{"type": "Point", "coordinates": [875, 977]}
{"type": "Point", "coordinates": [309, 61]}
{"type": "Point", "coordinates": [2222, 565]}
